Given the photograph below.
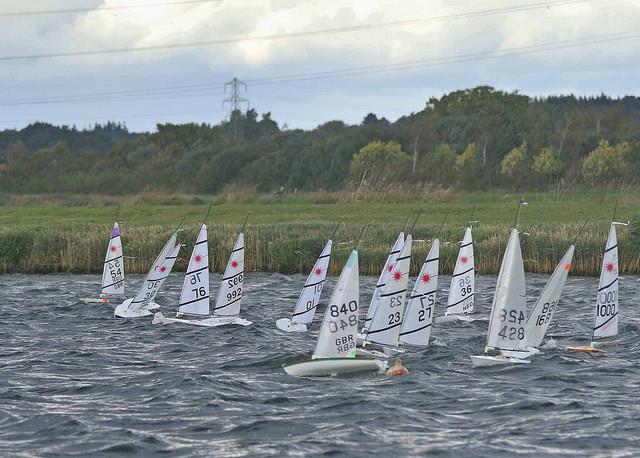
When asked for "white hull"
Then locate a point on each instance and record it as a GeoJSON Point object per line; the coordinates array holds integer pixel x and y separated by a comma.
{"type": "Point", "coordinates": [95, 300]}
{"type": "Point", "coordinates": [123, 310]}
{"type": "Point", "coordinates": [371, 352]}
{"type": "Point", "coordinates": [211, 322]}
{"type": "Point", "coordinates": [500, 360]}
{"type": "Point", "coordinates": [450, 318]}
{"type": "Point", "coordinates": [529, 351]}
{"type": "Point", "coordinates": [286, 325]}
{"type": "Point", "coordinates": [324, 367]}
{"type": "Point", "coordinates": [385, 353]}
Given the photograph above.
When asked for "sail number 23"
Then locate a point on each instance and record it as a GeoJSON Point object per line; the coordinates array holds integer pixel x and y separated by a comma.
{"type": "Point", "coordinates": [509, 318]}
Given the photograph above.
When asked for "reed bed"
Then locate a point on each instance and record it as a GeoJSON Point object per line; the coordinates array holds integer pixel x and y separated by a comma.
{"type": "Point", "coordinates": [290, 248]}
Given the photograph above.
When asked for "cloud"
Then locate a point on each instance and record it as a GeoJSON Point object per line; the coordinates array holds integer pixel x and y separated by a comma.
{"type": "Point", "coordinates": [589, 69]}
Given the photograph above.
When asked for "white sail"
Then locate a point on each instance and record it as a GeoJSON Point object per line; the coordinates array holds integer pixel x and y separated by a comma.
{"type": "Point", "coordinates": [157, 275]}
{"type": "Point", "coordinates": [194, 298]}
{"type": "Point", "coordinates": [509, 309]}
{"type": "Point", "coordinates": [382, 280]}
{"type": "Point", "coordinates": [340, 324]}
{"type": "Point", "coordinates": [230, 293]}
{"type": "Point", "coordinates": [605, 323]}
{"type": "Point", "coordinates": [384, 328]}
{"type": "Point", "coordinates": [462, 289]}
{"type": "Point", "coordinates": [547, 303]}
{"type": "Point", "coordinates": [307, 303]}
{"type": "Point", "coordinates": [113, 270]}
{"type": "Point", "coordinates": [416, 326]}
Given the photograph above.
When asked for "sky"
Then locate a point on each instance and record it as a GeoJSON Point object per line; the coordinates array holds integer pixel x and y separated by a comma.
{"type": "Point", "coordinates": [304, 61]}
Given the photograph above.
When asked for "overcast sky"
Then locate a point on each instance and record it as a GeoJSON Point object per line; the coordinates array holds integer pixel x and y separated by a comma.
{"type": "Point", "coordinates": [452, 44]}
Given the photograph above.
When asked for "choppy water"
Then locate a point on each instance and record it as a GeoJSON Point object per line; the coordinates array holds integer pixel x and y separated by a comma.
{"type": "Point", "coordinates": [75, 381]}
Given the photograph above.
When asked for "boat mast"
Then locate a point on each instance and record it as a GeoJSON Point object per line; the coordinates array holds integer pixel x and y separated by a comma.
{"type": "Point", "coordinates": [491, 318]}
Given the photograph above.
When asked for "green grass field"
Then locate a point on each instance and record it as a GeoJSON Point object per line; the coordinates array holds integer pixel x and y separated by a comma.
{"type": "Point", "coordinates": [490, 208]}
{"type": "Point", "coordinates": [286, 233]}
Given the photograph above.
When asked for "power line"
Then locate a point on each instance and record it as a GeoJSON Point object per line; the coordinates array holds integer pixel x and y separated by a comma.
{"type": "Point", "coordinates": [347, 72]}
{"type": "Point", "coordinates": [311, 33]}
{"type": "Point", "coordinates": [103, 8]}
{"type": "Point", "coordinates": [461, 58]}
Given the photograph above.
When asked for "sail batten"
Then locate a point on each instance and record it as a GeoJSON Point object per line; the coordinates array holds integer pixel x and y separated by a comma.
{"type": "Point", "coordinates": [230, 293]}
{"type": "Point", "coordinates": [418, 318]}
{"type": "Point", "coordinates": [307, 304]}
{"type": "Point", "coordinates": [462, 288]}
{"type": "Point", "coordinates": [194, 297]}
{"type": "Point", "coordinates": [113, 268]}
{"type": "Point", "coordinates": [606, 314]}
{"type": "Point", "coordinates": [382, 280]}
{"type": "Point", "coordinates": [162, 268]}
{"type": "Point", "coordinates": [384, 328]}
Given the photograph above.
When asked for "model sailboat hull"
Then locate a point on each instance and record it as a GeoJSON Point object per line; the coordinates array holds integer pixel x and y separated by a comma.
{"type": "Point", "coordinates": [521, 354]}
{"type": "Point", "coordinates": [451, 318]}
{"type": "Point", "coordinates": [123, 310]}
{"type": "Point", "coordinates": [210, 322]}
{"type": "Point", "coordinates": [499, 360]}
{"type": "Point", "coordinates": [95, 300]}
{"type": "Point", "coordinates": [286, 325]}
{"type": "Point", "coordinates": [325, 367]}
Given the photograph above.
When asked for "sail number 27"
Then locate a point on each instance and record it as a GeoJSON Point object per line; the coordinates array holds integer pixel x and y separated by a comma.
{"type": "Point", "coordinates": [509, 318]}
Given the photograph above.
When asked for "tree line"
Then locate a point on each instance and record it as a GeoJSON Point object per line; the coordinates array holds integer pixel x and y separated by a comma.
{"type": "Point", "coordinates": [480, 138]}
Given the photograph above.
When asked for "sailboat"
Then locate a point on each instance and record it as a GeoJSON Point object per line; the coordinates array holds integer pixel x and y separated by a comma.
{"type": "Point", "coordinates": [546, 305]}
{"type": "Point", "coordinates": [382, 281]}
{"type": "Point", "coordinates": [462, 288]}
{"type": "Point", "coordinates": [113, 269]}
{"type": "Point", "coordinates": [194, 299]}
{"type": "Point", "coordinates": [508, 311]}
{"type": "Point", "coordinates": [384, 329]}
{"type": "Point", "coordinates": [416, 325]}
{"type": "Point", "coordinates": [307, 304]}
{"type": "Point", "coordinates": [605, 322]}
{"type": "Point", "coordinates": [335, 351]}
{"type": "Point", "coordinates": [143, 303]}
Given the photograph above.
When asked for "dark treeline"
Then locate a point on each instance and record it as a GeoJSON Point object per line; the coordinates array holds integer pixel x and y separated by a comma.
{"type": "Point", "coordinates": [479, 138]}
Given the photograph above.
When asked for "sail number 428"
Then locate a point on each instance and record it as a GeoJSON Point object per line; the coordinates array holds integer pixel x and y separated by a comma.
{"type": "Point", "coordinates": [508, 318]}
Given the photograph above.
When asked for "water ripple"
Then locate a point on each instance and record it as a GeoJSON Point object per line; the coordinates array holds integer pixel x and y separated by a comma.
{"type": "Point", "coordinates": [75, 381]}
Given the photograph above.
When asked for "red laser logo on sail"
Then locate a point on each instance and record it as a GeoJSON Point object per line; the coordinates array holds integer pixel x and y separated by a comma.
{"type": "Point", "coordinates": [318, 271]}
{"type": "Point", "coordinates": [234, 264]}
{"type": "Point", "coordinates": [397, 275]}
{"type": "Point", "coordinates": [610, 267]}
{"type": "Point", "coordinates": [464, 260]}
{"type": "Point", "coordinates": [426, 278]}
{"type": "Point", "coordinates": [197, 259]}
